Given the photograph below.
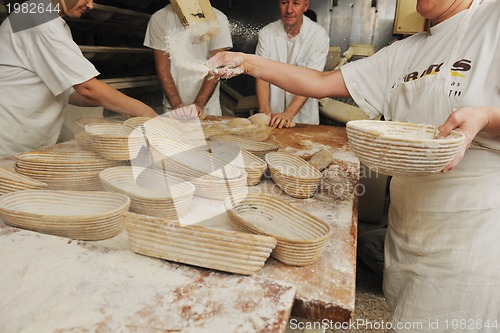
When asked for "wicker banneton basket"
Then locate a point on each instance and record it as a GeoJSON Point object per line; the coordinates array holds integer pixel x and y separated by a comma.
{"type": "Point", "coordinates": [11, 181]}
{"type": "Point", "coordinates": [216, 189]}
{"type": "Point", "coordinates": [244, 160]}
{"type": "Point", "coordinates": [396, 148]}
{"type": "Point", "coordinates": [151, 192]}
{"type": "Point", "coordinates": [71, 214]}
{"type": "Point", "coordinates": [223, 250]}
{"type": "Point", "coordinates": [82, 122]}
{"type": "Point", "coordinates": [301, 237]}
{"type": "Point", "coordinates": [293, 175]}
{"type": "Point", "coordinates": [115, 142]}
{"type": "Point", "coordinates": [83, 140]}
{"type": "Point", "coordinates": [158, 127]}
{"type": "Point", "coordinates": [136, 121]}
{"type": "Point", "coordinates": [259, 149]}
{"type": "Point", "coordinates": [173, 156]}
{"type": "Point", "coordinates": [75, 170]}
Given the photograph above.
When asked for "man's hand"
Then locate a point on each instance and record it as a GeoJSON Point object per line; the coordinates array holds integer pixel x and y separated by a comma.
{"type": "Point", "coordinates": [280, 120]}
{"type": "Point", "coordinates": [226, 65]}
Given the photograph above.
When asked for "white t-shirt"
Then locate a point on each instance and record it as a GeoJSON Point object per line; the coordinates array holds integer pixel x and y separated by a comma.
{"type": "Point", "coordinates": [308, 49]}
{"type": "Point", "coordinates": [166, 21]}
{"type": "Point", "coordinates": [38, 66]}
{"type": "Point", "coordinates": [475, 75]}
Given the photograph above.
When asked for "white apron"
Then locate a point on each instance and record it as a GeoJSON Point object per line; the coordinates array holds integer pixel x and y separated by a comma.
{"type": "Point", "coordinates": [442, 249]}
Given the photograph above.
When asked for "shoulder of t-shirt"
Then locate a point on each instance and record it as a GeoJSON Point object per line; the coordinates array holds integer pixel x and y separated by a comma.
{"type": "Point", "coordinates": [315, 29]}
{"type": "Point", "coordinates": [56, 25]}
{"type": "Point", "coordinates": [162, 13]}
{"type": "Point", "coordinates": [220, 14]}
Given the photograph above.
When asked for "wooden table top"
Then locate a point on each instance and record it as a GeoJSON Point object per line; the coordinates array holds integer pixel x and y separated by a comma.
{"type": "Point", "coordinates": [195, 296]}
{"type": "Point", "coordinates": [326, 289]}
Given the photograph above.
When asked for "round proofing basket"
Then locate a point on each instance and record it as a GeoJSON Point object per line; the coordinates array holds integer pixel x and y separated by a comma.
{"type": "Point", "coordinates": [301, 237]}
{"type": "Point", "coordinates": [397, 148]}
{"type": "Point", "coordinates": [151, 192]}
{"type": "Point", "coordinates": [115, 142]}
{"type": "Point", "coordinates": [293, 175]}
{"type": "Point", "coordinates": [71, 214]}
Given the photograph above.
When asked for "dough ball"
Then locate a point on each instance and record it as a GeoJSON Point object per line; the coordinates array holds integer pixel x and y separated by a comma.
{"type": "Point", "coordinates": [260, 119]}
{"type": "Point", "coordinates": [236, 122]}
{"type": "Point", "coordinates": [321, 159]}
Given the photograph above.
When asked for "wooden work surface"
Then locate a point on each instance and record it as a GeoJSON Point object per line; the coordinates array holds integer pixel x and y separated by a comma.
{"type": "Point", "coordinates": [122, 290]}
{"type": "Point", "coordinates": [326, 289]}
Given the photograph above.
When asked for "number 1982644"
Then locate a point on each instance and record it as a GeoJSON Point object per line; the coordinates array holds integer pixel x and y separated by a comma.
{"type": "Point", "coordinates": [470, 324]}
{"type": "Point", "coordinates": [31, 8]}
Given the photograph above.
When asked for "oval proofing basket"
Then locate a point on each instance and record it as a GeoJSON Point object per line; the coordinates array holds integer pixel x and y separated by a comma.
{"type": "Point", "coordinates": [293, 175]}
{"type": "Point", "coordinates": [151, 192]}
{"type": "Point", "coordinates": [224, 250]}
{"type": "Point", "coordinates": [71, 214]}
{"type": "Point", "coordinates": [301, 237]}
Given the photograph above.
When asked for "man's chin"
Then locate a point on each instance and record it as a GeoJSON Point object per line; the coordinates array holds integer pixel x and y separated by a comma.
{"type": "Point", "coordinates": [76, 14]}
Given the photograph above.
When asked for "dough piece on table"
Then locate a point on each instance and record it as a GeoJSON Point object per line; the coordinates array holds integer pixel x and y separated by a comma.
{"type": "Point", "coordinates": [321, 159]}
{"type": "Point", "coordinates": [260, 119]}
{"type": "Point", "coordinates": [238, 122]}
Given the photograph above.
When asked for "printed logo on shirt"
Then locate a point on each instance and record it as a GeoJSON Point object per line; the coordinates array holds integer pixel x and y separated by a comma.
{"type": "Point", "coordinates": [457, 72]}
{"type": "Point", "coordinates": [463, 65]}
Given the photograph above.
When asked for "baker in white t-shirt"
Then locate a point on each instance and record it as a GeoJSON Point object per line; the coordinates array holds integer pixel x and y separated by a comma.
{"type": "Point", "coordinates": [441, 268]}
{"type": "Point", "coordinates": [183, 85]}
{"type": "Point", "coordinates": [294, 39]}
{"type": "Point", "coordinates": [39, 64]}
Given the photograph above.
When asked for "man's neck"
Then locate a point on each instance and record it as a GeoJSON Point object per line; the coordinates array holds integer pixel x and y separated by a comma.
{"type": "Point", "coordinates": [293, 31]}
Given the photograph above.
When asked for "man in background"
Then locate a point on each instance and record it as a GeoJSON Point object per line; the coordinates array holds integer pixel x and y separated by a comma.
{"type": "Point", "coordinates": [182, 86]}
{"type": "Point", "coordinates": [294, 39]}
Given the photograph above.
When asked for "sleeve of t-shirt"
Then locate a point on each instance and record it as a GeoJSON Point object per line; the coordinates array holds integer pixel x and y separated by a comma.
{"type": "Point", "coordinates": [58, 61]}
{"type": "Point", "coordinates": [223, 39]}
{"type": "Point", "coordinates": [366, 80]}
{"type": "Point", "coordinates": [155, 34]}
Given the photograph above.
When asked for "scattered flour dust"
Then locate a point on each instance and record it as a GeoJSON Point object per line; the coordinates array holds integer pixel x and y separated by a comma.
{"type": "Point", "coordinates": [52, 284]}
{"type": "Point", "coordinates": [185, 46]}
